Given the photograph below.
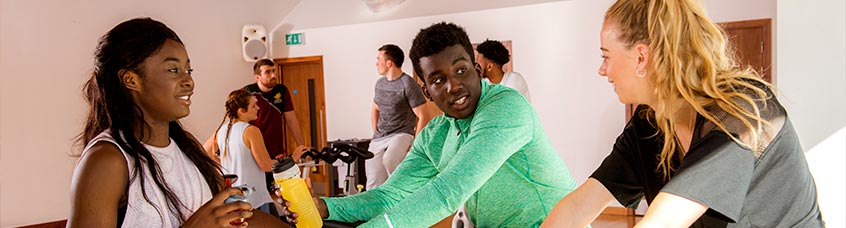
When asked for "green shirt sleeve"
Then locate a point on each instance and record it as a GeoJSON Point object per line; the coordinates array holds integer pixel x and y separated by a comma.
{"type": "Point", "coordinates": [414, 171]}
{"type": "Point", "coordinates": [501, 126]}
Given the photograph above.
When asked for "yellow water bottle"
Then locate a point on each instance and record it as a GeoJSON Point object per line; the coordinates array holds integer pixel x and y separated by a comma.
{"type": "Point", "coordinates": [287, 177]}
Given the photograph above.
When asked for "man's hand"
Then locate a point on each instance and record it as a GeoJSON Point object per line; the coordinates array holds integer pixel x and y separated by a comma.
{"type": "Point", "coordinates": [287, 215]}
{"type": "Point", "coordinates": [321, 207]}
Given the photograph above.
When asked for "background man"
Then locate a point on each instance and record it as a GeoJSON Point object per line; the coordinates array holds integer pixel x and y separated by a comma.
{"type": "Point", "coordinates": [396, 116]}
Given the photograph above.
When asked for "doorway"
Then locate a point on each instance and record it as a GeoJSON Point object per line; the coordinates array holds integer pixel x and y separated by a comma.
{"type": "Point", "coordinates": [751, 41]}
{"type": "Point", "coordinates": [752, 44]}
{"type": "Point", "coordinates": [304, 78]}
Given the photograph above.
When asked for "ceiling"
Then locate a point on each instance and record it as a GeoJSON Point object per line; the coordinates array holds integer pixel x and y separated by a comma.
{"type": "Point", "coordinates": [325, 13]}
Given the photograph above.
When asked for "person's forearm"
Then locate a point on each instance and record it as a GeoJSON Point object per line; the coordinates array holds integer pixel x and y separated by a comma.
{"type": "Point", "coordinates": [580, 207]}
{"type": "Point", "coordinates": [669, 210]}
{"type": "Point", "coordinates": [421, 115]}
{"type": "Point", "coordinates": [374, 119]}
{"type": "Point", "coordinates": [294, 126]}
{"type": "Point", "coordinates": [321, 207]}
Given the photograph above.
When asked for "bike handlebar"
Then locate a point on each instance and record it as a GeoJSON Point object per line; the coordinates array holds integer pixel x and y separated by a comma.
{"type": "Point", "coordinates": [336, 151]}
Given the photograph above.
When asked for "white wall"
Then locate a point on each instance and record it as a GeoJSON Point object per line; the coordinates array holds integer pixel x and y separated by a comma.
{"type": "Point", "coordinates": [555, 47]}
{"type": "Point", "coordinates": [47, 54]}
{"type": "Point", "coordinates": [325, 13]}
{"type": "Point", "coordinates": [558, 57]}
{"type": "Point", "coordinates": [826, 164]}
{"type": "Point", "coordinates": [812, 79]}
{"type": "Point", "coordinates": [812, 61]}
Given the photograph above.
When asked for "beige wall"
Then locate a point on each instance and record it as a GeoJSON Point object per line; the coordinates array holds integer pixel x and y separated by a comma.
{"type": "Point", "coordinates": [47, 54]}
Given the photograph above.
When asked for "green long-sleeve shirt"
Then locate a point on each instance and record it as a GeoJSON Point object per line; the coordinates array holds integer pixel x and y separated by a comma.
{"type": "Point", "coordinates": [499, 161]}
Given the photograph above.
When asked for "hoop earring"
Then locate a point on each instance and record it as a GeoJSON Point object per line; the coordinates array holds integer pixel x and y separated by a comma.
{"type": "Point", "coordinates": [639, 74]}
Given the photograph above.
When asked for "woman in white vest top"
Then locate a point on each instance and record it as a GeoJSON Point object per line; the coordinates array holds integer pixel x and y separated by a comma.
{"type": "Point", "coordinates": [239, 148]}
{"type": "Point", "coordinates": [139, 168]}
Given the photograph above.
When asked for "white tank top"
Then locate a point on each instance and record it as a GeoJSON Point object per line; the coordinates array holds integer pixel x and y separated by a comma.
{"type": "Point", "coordinates": [239, 160]}
{"type": "Point", "coordinates": [178, 172]}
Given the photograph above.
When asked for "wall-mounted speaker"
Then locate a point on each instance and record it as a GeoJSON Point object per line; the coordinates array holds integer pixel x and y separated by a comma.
{"type": "Point", "coordinates": [254, 43]}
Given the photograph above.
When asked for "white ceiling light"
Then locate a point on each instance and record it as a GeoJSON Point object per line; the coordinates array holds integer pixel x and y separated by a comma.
{"type": "Point", "coordinates": [382, 5]}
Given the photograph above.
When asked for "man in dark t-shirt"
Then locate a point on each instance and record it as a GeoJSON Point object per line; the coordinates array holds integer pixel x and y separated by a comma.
{"type": "Point", "coordinates": [275, 106]}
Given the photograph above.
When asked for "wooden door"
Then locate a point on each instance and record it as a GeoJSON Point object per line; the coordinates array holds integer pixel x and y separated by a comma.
{"type": "Point", "coordinates": [304, 78]}
{"type": "Point", "coordinates": [752, 44]}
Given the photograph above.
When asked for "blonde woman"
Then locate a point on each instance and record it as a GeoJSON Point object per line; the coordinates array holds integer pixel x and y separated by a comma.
{"type": "Point", "coordinates": [710, 146]}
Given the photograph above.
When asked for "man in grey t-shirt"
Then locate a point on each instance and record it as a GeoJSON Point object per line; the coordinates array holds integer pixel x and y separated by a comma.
{"type": "Point", "coordinates": [397, 115]}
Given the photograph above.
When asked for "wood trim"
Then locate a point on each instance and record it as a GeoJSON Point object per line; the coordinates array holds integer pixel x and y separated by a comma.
{"type": "Point", "coordinates": [54, 224]}
{"type": "Point", "coordinates": [766, 25]}
{"type": "Point", "coordinates": [318, 139]}
{"type": "Point", "coordinates": [298, 59]}
{"type": "Point", "coordinates": [618, 211]}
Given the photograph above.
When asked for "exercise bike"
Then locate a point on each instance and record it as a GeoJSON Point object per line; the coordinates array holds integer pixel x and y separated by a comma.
{"type": "Point", "coordinates": [348, 153]}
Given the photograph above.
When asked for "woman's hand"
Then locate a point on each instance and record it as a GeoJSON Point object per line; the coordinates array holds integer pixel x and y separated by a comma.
{"type": "Point", "coordinates": [215, 213]}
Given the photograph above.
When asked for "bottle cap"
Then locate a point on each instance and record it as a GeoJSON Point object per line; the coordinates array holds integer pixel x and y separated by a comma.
{"type": "Point", "coordinates": [283, 164]}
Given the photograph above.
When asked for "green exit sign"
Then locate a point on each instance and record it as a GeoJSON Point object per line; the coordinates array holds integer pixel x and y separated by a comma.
{"type": "Point", "coordinates": [294, 39]}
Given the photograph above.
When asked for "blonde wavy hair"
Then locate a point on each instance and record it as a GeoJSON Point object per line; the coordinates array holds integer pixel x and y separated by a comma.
{"type": "Point", "coordinates": [691, 62]}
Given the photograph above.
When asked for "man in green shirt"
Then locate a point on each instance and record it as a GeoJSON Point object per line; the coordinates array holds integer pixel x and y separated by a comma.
{"type": "Point", "coordinates": [488, 150]}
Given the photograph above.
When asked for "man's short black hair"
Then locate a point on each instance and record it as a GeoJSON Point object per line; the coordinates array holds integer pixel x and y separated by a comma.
{"type": "Point", "coordinates": [393, 53]}
{"type": "Point", "coordinates": [495, 51]}
{"type": "Point", "coordinates": [263, 62]}
{"type": "Point", "coordinates": [436, 38]}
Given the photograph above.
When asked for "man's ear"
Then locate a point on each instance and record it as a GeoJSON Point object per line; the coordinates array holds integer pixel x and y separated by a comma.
{"type": "Point", "coordinates": [426, 92]}
{"type": "Point", "coordinates": [130, 79]}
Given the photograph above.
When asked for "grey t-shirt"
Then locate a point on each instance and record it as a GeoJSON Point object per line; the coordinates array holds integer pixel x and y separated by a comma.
{"type": "Point", "coordinates": [396, 99]}
{"type": "Point", "coordinates": [773, 188]}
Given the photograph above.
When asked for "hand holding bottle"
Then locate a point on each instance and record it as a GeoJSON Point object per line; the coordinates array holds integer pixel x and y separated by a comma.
{"type": "Point", "coordinates": [216, 213]}
{"type": "Point", "coordinates": [287, 177]}
{"type": "Point", "coordinates": [289, 216]}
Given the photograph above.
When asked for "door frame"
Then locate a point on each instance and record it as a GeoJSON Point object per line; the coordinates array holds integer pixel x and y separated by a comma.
{"type": "Point", "coordinates": [321, 122]}
{"type": "Point", "coordinates": [766, 25]}
{"type": "Point", "coordinates": [318, 174]}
